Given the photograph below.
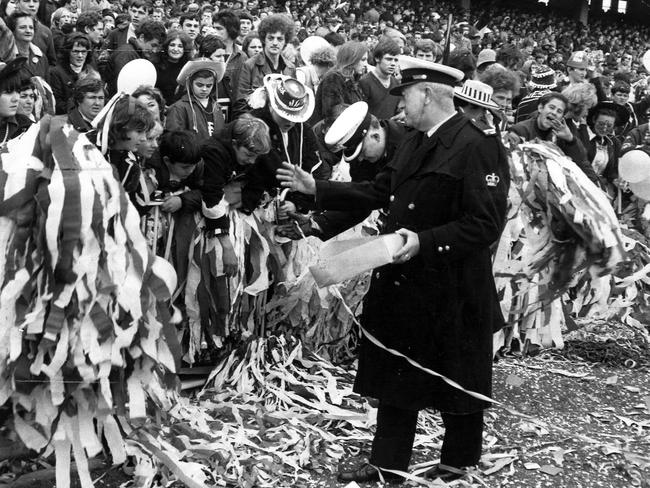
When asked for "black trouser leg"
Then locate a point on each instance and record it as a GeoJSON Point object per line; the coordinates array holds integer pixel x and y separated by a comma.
{"type": "Point", "coordinates": [462, 443]}
{"type": "Point", "coordinates": [393, 442]}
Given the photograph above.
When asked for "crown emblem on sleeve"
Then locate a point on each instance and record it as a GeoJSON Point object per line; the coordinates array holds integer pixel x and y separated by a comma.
{"type": "Point", "coordinates": [492, 180]}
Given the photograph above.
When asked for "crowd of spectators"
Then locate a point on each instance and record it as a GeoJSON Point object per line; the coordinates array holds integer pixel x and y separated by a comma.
{"type": "Point", "coordinates": [242, 86]}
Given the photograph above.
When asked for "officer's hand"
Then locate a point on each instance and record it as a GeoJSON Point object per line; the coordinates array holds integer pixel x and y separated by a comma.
{"type": "Point", "coordinates": [295, 178]}
{"type": "Point", "coordinates": [410, 248]}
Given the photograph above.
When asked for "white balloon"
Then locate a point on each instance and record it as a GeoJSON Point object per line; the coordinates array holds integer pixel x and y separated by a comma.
{"type": "Point", "coordinates": [134, 74]}
{"type": "Point", "coordinates": [646, 60]}
{"type": "Point", "coordinates": [634, 166]}
{"type": "Point", "coordinates": [641, 189]}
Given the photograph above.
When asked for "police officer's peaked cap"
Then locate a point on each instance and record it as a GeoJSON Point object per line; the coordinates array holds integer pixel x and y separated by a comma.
{"type": "Point", "coordinates": [416, 70]}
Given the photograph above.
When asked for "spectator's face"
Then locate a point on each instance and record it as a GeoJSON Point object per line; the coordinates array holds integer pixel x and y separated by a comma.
{"type": "Point", "coordinates": [9, 103]}
{"type": "Point", "coordinates": [374, 145]}
{"type": "Point", "coordinates": [274, 43]}
{"type": "Point", "coordinates": [626, 60]}
{"type": "Point", "coordinates": [206, 18]}
{"type": "Point", "coordinates": [549, 113]}
{"type": "Point", "coordinates": [138, 15]}
{"type": "Point", "coordinates": [202, 87]}
{"type": "Point", "coordinates": [361, 66]}
{"type": "Point", "coordinates": [132, 141]}
{"type": "Point", "coordinates": [150, 103]}
{"type": "Point", "coordinates": [577, 111]}
{"type": "Point", "coordinates": [387, 64]}
{"type": "Point", "coordinates": [29, 6]}
{"type": "Point", "coordinates": [179, 170]}
{"type": "Point", "coordinates": [604, 125]}
{"type": "Point", "coordinates": [24, 31]}
{"type": "Point", "coordinates": [503, 98]}
{"type": "Point", "coordinates": [577, 75]}
{"type": "Point", "coordinates": [245, 26]}
{"type": "Point", "coordinates": [427, 56]}
{"type": "Point", "coordinates": [26, 102]}
{"type": "Point", "coordinates": [191, 28]}
{"type": "Point", "coordinates": [220, 31]}
{"type": "Point", "coordinates": [78, 55]}
{"type": "Point", "coordinates": [92, 103]}
{"type": "Point", "coordinates": [150, 49]}
{"type": "Point", "coordinates": [175, 50]}
{"type": "Point", "coordinates": [283, 124]}
{"type": "Point", "coordinates": [151, 142]}
{"type": "Point", "coordinates": [66, 18]}
{"type": "Point", "coordinates": [255, 47]}
{"type": "Point", "coordinates": [245, 157]}
{"type": "Point", "coordinates": [109, 24]}
{"type": "Point", "coordinates": [157, 16]}
{"type": "Point", "coordinates": [620, 97]}
{"type": "Point", "coordinates": [11, 7]}
{"type": "Point", "coordinates": [219, 55]}
{"type": "Point", "coordinates": [96, 33]}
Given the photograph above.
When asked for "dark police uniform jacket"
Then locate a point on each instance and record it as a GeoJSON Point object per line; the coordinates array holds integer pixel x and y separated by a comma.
{"type": "Point", "coordinates": [441, 307]}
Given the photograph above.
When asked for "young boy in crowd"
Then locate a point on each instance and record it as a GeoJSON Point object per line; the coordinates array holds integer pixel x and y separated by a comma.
{"type": "Point", "coordinates": [198, 110]}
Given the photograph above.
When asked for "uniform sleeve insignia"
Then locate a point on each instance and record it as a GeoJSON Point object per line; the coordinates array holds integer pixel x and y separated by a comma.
{"type": "Point", "coordinates": [492, 180]}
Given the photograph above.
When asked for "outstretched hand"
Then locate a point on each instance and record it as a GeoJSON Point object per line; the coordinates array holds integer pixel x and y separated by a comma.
{"type": "Point", "coordinates": [295, 178]}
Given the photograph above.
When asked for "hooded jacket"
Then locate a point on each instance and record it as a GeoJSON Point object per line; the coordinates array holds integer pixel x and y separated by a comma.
{"type": "Point", "coordinates": [188, 114]}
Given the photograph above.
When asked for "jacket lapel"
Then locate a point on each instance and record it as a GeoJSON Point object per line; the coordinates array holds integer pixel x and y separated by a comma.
{"type": "Point", "coordinates": [412, 158]}
{"type": "Point", "coordinates": [420, 147]}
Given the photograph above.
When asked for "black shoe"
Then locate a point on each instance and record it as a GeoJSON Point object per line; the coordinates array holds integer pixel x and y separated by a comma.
{"type": "Point", "coordinates": [364, 473]}
{"type": "Point", "coordinates": [443, 474]}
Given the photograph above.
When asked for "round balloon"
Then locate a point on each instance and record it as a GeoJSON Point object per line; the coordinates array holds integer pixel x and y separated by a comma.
{"type": "Point", "coordinates": [634, 166]}
{"type": "Point", "coordinates": [134, 74]}
{"type": "Point", "coordinates": [646, 60]}
{"type": "Point", "coordinates": [641, 189]}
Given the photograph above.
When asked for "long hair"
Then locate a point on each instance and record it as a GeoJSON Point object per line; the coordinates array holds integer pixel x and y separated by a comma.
{"type": "Point", "coordinates": [348, 55]}
{"type": "Point", "coordinates": [185, 40]}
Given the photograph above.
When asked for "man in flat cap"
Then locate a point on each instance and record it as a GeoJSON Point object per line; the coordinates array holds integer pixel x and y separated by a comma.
{"type": "Point", "coordinates": [436, 303]}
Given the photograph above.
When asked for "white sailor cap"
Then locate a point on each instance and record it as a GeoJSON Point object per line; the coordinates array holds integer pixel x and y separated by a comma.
{"type": "Point", "coordinates": [416, 70]}
{"type": "Point", "coordinates": [349, 129]}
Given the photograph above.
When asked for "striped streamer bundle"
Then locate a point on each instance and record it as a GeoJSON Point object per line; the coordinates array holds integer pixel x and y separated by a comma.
{"type": "Point", "coordinates": [85, 325]}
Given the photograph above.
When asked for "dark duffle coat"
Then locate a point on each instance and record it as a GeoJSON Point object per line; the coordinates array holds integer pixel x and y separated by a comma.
{"type": "Point", "coordinates": [440, 308]}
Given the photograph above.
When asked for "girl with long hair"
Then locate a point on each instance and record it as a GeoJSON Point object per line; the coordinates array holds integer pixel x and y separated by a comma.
{"type": "Point", "coordinates": [176, 51]}
{"type": "Point", "coordinates": [340, 85]}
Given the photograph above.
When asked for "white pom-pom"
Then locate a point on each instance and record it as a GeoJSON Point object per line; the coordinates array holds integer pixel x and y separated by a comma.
{"type": "Point", "coordinates": [257, 99]}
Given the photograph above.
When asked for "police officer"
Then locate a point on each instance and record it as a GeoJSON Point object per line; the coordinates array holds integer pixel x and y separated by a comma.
{"type": "Point", "coordinates": [436, 303]}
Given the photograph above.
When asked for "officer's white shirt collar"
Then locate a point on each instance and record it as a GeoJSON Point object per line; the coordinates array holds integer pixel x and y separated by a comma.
{"type": "Point", "coordinates": [433, 129]}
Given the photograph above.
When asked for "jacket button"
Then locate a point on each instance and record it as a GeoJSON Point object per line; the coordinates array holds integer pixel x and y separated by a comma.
{"type": "Point", "coordinates": [440, 249]}
{"type": "Point", "coordinates": [411, 206]}
{"type": "Point", "coordinates": [396, 283]}
{"type": "Point", "coordinates": [392, 198]}
{"type": "Point", "coordinates": [377, 275]}
{"type": "Point", "coordinates": [446, 248]}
